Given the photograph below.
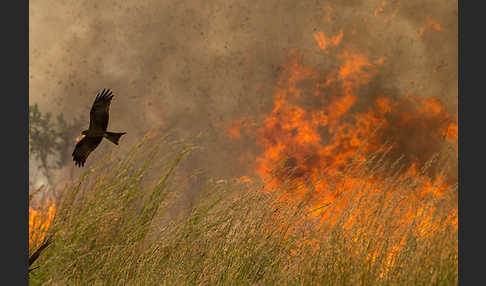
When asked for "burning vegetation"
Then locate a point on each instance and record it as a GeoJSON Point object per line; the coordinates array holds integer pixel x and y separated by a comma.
{"type": "Point", "coordinates": [340, 154]}
{"type": "Point", "coordinates": [40, 219]}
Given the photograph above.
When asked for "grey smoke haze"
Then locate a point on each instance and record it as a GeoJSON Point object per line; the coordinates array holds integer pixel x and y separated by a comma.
{"type": "Point", "coordinates": [195, 65]}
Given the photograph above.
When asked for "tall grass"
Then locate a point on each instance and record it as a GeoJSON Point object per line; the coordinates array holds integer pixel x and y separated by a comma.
{"type": "Point", "coordinates": [107, 231]}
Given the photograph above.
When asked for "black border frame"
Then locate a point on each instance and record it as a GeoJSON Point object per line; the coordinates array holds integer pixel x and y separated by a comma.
{"type": "Point", "coordinates": [472, 241]}
{"type": "Point", "coordinates": [15, 155]}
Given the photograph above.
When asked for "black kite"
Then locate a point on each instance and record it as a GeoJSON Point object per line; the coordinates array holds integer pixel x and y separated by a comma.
{"type": "Point", "coordinates": [98, 123]}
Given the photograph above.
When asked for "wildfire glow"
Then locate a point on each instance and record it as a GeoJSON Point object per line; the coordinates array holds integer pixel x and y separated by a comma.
{"type": "Point", "coordinates": [39, 222]}
{"type": "Point", "coordinates": [325, 42]}
{"type": "Point", "coordinates": [325, 140]}
{"type": "Point", "coordinates": [292, 132]}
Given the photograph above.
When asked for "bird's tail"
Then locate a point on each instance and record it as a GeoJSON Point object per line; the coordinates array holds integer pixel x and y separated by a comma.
{"type": "Point", "coordinates": [114, 136]}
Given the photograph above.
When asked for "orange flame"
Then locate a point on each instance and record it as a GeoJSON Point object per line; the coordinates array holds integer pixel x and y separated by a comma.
{"type": "Point", "coordinates": [327, 138]}
{"type": "Point", "coordinates": [39, 222]}
{"type": "Point", "coordinates": [325, 42]}
{"type": "Point", "coordinates": [292, 132]}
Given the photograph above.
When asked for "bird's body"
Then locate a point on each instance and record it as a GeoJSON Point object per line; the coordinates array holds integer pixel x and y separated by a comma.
{"type": "Point", "coordinates": [98, 124]}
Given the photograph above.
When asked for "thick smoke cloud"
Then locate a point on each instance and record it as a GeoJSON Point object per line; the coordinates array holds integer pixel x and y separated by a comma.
{"type": "Point", "coordinates": [196, 65]}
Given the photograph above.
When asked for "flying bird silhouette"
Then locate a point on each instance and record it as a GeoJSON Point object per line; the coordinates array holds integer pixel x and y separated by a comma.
{"type": "Point", "coordinates": [98, 123]}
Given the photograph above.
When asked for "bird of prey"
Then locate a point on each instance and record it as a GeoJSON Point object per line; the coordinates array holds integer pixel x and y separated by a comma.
{"type": "Point", "coordinates": [98, 123]}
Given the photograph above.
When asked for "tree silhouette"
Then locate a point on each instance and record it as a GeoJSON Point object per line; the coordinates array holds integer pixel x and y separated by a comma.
{"type": "Point", "coordinates": [50, 140]}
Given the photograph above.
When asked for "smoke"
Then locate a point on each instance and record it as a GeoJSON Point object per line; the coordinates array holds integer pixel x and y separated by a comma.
{"type": "Point", "coordinates": [193, 66]}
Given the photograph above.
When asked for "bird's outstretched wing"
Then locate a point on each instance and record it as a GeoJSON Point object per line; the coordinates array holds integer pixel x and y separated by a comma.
{"type": "Point", "coordinates": [99, 114]}
{"type": "Point", "coordinates": [84, 148]}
